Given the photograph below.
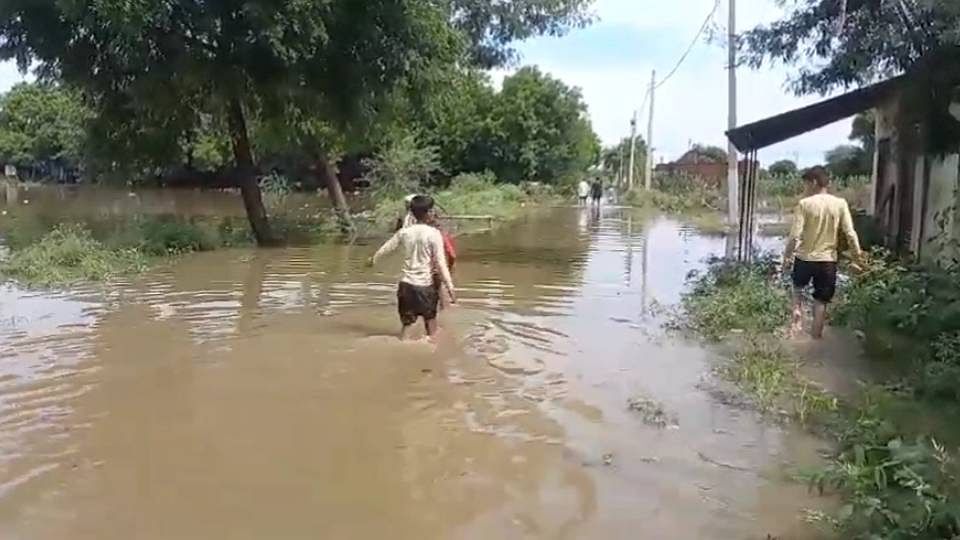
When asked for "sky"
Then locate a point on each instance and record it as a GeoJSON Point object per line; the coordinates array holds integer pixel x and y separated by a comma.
{"type": "Point", "coordinates": [611, 62]}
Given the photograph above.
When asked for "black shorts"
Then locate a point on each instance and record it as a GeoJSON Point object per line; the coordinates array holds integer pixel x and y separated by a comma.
{"type": "Point", "coordinates": [414, 302]}
{"type": "Point", "coordinates": [822, 274]}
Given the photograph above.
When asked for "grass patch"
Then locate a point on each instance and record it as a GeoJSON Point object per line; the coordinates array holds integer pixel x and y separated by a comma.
{"type": "Point", "coordinates": [679, 194]}
{"type": "Point", "coordinates": [896, 476]}
{"type": "Point", "coordinates": [467, 194]}
{"type": "Point", "coordinates": [70, 254]}
{"type": "Point", "coordinates": [733, 297]}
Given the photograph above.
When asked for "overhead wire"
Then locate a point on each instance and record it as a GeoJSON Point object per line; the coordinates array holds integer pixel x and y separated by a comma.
{"type": "Point", "coordinates": [696, 39]}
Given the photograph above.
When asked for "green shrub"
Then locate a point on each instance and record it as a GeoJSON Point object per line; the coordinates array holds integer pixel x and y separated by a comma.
{"type": "Point", "coordinates": [173, 237]}
{"type": "Point", "coordinates": [401, 167]}
{"type": "Point", "coordinates": [735, 296]}
{"type": "Point", "coordinates": [676, 194]}
{"type": "Point", "coordinates": [69, 254]}
{"type": "Point", "coordinates": [892, 488]}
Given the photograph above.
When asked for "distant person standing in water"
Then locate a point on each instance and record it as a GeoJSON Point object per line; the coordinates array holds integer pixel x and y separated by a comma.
{"type": "Point", "coordinates": [820, 222]}
{"type": "Point", "coordinates": [583, 191]}
{"type": "Point", "coordinates": [423, 254]}
{"type": "Point", "coordinates": [596, 192]}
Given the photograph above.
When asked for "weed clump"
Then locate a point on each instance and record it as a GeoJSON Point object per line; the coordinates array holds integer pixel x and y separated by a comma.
{"type": "Point", "coordinates": [69, 254]}
{"type": "Point", "coordinates": [736, 297]}
{"type": "Point", "coordinates": [893, 487]}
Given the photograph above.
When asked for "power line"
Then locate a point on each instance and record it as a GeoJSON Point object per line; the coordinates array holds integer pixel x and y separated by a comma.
{"type": "Point", "coordinates": [696, 39]}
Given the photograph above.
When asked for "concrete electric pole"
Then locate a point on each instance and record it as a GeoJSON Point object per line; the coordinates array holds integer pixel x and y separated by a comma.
{"type": "Point", "coordinates": [733, 176]}
{"type": "Point", "coordinates": [648, 172]}
{"type": "Point", "coordinates": [633, 150]}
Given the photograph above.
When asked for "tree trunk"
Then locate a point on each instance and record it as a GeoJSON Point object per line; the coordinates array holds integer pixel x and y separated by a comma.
{"type": "Point", "coordinates": [249, 188]}
{"type": "Point", "coordinates": [329, 178]}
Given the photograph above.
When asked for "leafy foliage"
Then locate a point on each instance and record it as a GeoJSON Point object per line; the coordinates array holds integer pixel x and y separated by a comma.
{"type": "Point", "coordinates": [69, 254]}
{"type": "Point", "coordinates": [491, 27]}
{"type": "Point", "coordinates": [894, 489]}
{"type": "Point", "coordinates": [611, 158]}
{"type": "Point", "coordinates": [784, 167]}
{"type": "Point", "coordinates": [41, 123]}
{"type": "Point", "coordinates": [852, 43]}
{"type": "Point", "coordinates": [713, 154]}
{"type": "Point", "coordinates": [848, 160]}
{"type": "Point", "coordinates": [403, 167]}
{"type": "Point", "coordinates": [734, 296]}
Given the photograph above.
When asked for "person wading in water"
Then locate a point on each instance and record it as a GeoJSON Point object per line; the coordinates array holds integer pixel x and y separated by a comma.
{"type": "Point", "coordinates": [821, 221]}
{"type": "Point", "coordinates": [423, 251]}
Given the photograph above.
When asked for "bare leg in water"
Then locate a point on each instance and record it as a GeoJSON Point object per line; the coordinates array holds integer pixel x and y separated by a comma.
{"type": "Point", "coordinates": [796, 321]}
{"type": "Point", "coordinates": [430, 326]}
{"type": "Point", "coordinates": [405, 332]}
{"type": "Point", "coordinates": [819, 319]}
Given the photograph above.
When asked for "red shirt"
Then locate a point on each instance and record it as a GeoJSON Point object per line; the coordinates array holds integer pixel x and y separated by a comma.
{"type": "Point", "coordinates": [449, 249]}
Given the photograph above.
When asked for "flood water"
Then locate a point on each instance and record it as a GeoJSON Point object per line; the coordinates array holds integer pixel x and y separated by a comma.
{"type": "Point", "coordinates": [261, 394]}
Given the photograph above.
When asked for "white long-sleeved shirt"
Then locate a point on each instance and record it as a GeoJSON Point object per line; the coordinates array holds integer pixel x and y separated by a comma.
{"type": "Point", "coordinates": [423, 255]}
{"type": "Point", "coordinates": [583, 189]}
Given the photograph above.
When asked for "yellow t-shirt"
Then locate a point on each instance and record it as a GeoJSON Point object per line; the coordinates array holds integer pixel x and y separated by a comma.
{"type": "Point", "coordinates": [818, 221]}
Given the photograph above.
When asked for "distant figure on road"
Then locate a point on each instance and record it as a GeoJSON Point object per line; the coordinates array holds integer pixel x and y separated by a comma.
{"type": "Point", "coordinates": [596, 192]}
{"type": "Point", "coordinates": [583, 191]}
{"type": "Point", "coordinates": [820, 222]}
{"type": "Point", "coordinates": [424, 254]}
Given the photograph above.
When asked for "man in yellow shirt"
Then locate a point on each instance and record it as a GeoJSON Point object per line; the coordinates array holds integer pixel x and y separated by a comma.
{"type": "Point", "coordinates": [819, 220]}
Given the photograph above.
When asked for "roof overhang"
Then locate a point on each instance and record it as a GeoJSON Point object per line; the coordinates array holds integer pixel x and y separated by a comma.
{"type": "Point", "coordinates": [781, 127]}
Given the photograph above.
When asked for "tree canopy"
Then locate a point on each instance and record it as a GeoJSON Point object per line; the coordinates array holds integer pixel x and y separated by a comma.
{"type": "Point", "coordinates": [491, 26]}
{"type": "Point", "coordinates": [541, 128]}
{"type": "Point", "coordinates": [848, 160]}
{"type": "Point", "coordinates": [839, 44]}
{"type": "Point", "coordinates": [41, 123]}
{"type": "Point", "coordinates": [158, 73]}
{"type": "Point", "coordinates": [612, 155]}
{"type": "Point", "coordinates": [709, 153]}
{"type": "Point", "coordinates": [784, 167]}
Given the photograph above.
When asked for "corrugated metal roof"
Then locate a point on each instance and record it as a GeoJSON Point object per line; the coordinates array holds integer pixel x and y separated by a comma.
{"type": "Point", "coordinates": [787, 125]}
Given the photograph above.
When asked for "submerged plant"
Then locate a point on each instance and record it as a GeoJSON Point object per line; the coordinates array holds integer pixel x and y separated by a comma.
{"type": "Point", "coordinates": [69, 254]}
{"type": "Point", "coordinates": [736, 297]}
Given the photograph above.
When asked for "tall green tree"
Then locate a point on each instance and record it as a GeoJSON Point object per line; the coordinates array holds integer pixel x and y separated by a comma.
{"type": "Point", "coordinates": [41, 123]}
{"type": "Point", "coordinates": [848, 160]}
{"type": "Point", "coordinates": [542, 132]}
{"type": "Point", "coordinates": [784, 167]}
{"type": "Point", "coordinates": [612, 156]}
{"type": "Point", "coordinates": [152, 68]}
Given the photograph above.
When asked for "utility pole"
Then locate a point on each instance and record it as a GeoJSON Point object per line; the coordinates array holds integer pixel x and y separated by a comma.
{"type": "Point", "coordinates": [620, 168]}
{"type": "Point", "coordinates": [733, 176]}
{"type": "Point", "coordinates": [648, 173]}
{"type": "Point", "coordinates": [633, 149]}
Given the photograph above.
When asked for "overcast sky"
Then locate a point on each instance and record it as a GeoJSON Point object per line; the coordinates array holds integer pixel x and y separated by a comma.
{"type": "Point", "coordinates": [611, 60]}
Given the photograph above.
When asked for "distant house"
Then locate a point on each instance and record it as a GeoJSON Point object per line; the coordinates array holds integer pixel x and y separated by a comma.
{"type": "Point", "coordinates": [914, 193]}
{"type": "Point", "coordinates": [695, 165]}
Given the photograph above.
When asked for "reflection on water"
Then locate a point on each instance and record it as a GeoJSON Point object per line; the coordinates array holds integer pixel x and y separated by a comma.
{"type": "Point", "coordinates": [260, 394]}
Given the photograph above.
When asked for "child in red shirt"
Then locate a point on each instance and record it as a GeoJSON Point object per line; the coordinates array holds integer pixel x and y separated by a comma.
{"type": "Point", "coordinates": [450, 251]}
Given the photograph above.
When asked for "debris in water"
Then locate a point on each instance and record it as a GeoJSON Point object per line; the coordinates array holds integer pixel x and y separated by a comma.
{"type": "Point", "coordinates": [712, 461]}
{"type": "Point", "coordinates": [608, 460]}
{"type": "Point", "coordinates": [652, 413]}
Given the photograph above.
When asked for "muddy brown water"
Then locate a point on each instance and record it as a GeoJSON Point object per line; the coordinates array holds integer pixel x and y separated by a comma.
{"type": "Point", "coordinates": [261, 394]}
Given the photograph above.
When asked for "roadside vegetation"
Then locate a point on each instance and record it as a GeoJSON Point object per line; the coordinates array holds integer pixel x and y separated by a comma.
{"type": "Point", "coordinates": [777, 194]}
{"type": "Point", "coordinates": [894, 464]}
